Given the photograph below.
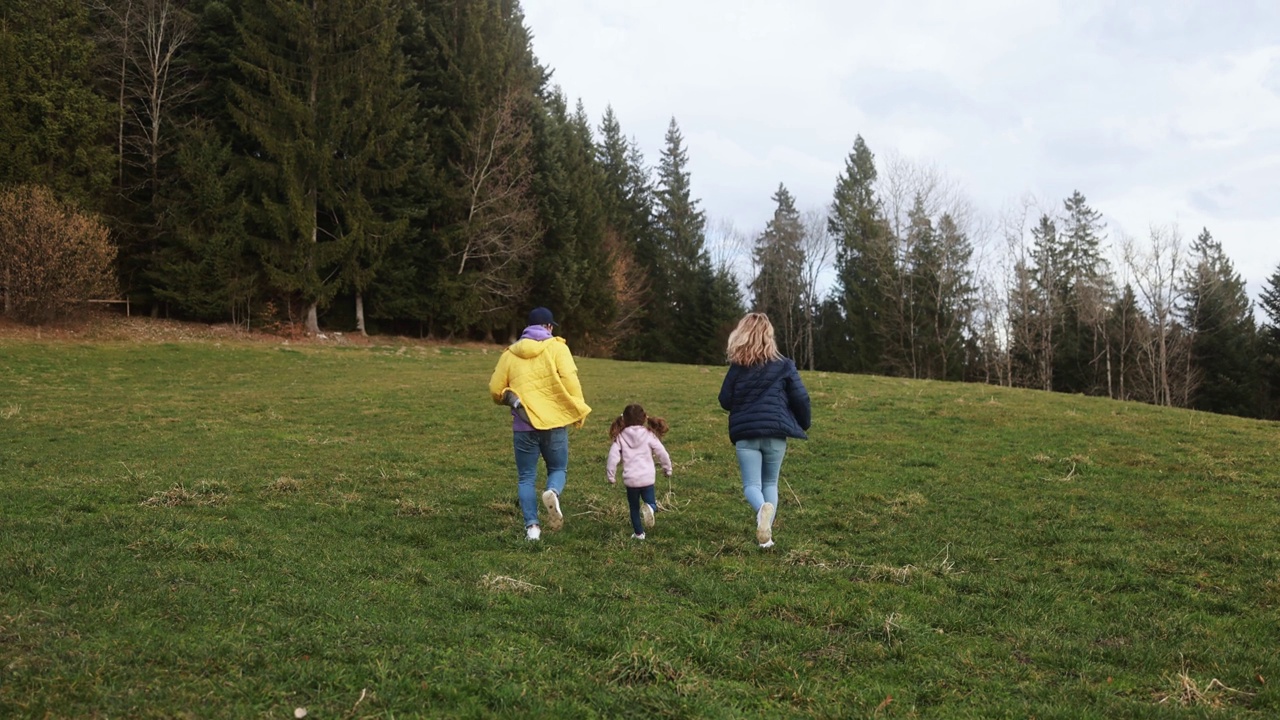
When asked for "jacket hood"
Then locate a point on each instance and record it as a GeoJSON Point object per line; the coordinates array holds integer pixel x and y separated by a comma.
{"type": "Point", "coordinates": [636, 436]}
{"type": "Point", "coordinates": [529, 348]}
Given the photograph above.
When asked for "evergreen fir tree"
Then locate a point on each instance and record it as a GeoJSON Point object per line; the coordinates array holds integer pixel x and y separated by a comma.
{"type": "Point", "coordinates": [1219, 316]}
{"type": "Point", "coordinates": [865, 267]}
{"type": "Point", "coordinates": [54, 129]}
{"type": "Point", "coordinates": [1269, 345]}
{"type": "Point", "coordinates": [465, 265]}
{"type": "Point", "coordinates": [206, 269]}
{"type": "Point", "coordinates": [627, 199]}
{"type": "Point", "coordinates": [323, 102]}
{"type": "Point", "coordinates": [572, 272]}
{"type": "Point", "coordinates": [1085, 294]}
{"type": "Point", "coordinates": [685, 325]}
{"type": "Point", "coordinates": [777, 288]}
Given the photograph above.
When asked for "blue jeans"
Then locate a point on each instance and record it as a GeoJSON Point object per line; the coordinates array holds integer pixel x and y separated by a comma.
{"type": "Point", "coordinates": [553, 447]}
{"type": "Point", "coordinates": [760, 461]}
{"type": "Point", "coordinates": [634, 496]}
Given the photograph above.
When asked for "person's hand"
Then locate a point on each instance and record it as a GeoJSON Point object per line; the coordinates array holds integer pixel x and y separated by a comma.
{"type": "Point", "coordinates": [613, 482]}
{"type": "Point", "coordinates": [667, 473]}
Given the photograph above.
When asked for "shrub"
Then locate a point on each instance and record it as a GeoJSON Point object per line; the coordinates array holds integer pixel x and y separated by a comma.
{"type": "Point", "coordinates": [52, 256]}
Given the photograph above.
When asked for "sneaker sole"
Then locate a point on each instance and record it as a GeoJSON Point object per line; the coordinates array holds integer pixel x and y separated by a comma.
{"type": "Point", "coordinates": [555, 518]}
{"type": "Point", "coordinates": [646, 515]}
{"type": "Point", "coordinates": [764, 524]}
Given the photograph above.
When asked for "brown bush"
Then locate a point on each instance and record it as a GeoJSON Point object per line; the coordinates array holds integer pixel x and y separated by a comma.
{"type": "Point", "coordinates": [52, 256]}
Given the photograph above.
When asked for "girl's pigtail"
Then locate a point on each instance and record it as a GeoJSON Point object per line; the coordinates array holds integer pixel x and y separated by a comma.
{"type": "Point", "coordinates": [617, 427]}
{"type": "Point", "coordinates": [658, 426]}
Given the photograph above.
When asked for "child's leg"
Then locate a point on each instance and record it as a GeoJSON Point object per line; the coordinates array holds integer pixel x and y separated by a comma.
{"type": "Point", "coordinates": [650, 505]}
{"type": "Point", "coordinates": [633, 501]}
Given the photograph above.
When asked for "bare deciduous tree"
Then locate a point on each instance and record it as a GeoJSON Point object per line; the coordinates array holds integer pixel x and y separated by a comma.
{"type": "Point", "coordinates": [819, 249]}
{"type": "Point", "coordinates": [1156, 270]}
{"type": "Point", "coordinates": [501, 230]}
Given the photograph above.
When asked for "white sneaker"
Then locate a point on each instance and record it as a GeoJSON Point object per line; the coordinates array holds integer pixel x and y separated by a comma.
{"type": "Point", "coordinates": [555, 518]}
{"type": "Point", "coordinates": [766, 546]}
{"type": "Point", "coordinates": [764, 524]}
{"type": "Point", "coordinates": [533, 532]}
{"type": "Point", "coordinates": [637, 537]}
{"type": "Point", "coordinates": [646, 514]}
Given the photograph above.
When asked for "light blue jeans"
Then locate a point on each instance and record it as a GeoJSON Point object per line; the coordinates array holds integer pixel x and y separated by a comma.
{"type": "Point", "coordinates": [553, 447]}
{"type": "Point", "coordinates": [760, 461]}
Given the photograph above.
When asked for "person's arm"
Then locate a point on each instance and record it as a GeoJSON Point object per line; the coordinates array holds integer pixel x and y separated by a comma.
{"type": "Point", "coordinates": [798, 399]}
{"type": "Point", "coordinates": [663, 456]}
{"type": "Point", "coordinates": [568, 372]}
{"type": "Point", "coordinates": [726, 387]}
{"type": "Point", "coordinates": [611, 462]}
{"type": "Point", "coordinates": [498, 381]}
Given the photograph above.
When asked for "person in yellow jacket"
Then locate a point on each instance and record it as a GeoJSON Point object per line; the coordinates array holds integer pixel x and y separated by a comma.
{"type": "Point", "coordinates": [538, 379]}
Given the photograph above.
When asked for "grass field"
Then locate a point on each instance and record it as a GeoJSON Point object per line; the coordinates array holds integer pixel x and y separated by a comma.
{"type": "Point", "coordinates": [241, 530]}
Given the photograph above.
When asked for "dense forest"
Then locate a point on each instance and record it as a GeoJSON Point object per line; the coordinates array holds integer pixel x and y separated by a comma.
{"type": "Point", "coordinates": [408, 167]}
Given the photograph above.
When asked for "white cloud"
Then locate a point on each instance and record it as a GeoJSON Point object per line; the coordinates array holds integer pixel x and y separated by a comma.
{"type": "Point", "coordinates": [1158, 111]}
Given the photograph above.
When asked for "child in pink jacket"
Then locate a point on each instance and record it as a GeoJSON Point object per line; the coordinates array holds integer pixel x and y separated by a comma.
{"type": "Point", "coordinates": [637, 438]}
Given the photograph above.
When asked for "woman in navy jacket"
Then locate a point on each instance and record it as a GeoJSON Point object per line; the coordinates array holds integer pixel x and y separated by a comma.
{"type": "Point", "coordinates": [767, 403]}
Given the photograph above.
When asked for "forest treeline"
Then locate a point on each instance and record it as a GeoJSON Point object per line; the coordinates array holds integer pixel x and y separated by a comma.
{"type": "Point", "coordinates": [408, 166]}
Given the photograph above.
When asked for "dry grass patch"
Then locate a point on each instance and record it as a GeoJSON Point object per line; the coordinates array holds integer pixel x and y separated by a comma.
{"type": "Point", "coordinates": [180, 495]}
{"type": "Point", "coordinates": [642, 668]}
{"type": "Point", "coordinates": [875, 573]}
{"type": "Point", "coordinates": [10, 411]}
{"type": "Point", "coordinates": [412, 508]}
{"type": "Point", "coordinates": [285, 485]}
{"type": "Point", "coordinates": [903, 503]}
{"type": "Point", "coordinates": [1188, 693]}
{"type": "Point", "coordinates": [502, 583]}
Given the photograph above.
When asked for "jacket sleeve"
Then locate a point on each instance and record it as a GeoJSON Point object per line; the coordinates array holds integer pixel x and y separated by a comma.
{"type": "Point", "coordinates": [611, 462]}
{"type": "Point", "coordinates": [663, 457]}
{"type": "Point", "coordinates": [798, 399]}
{"type": "Point", "coordinates": [726, 387]}
{"type": "Point", "coordinates": [498, 381]}
{"type": "Point", "coordinates": [568, 371]}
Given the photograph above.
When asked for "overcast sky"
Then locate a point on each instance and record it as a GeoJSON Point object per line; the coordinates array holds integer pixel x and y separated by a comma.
{"type": "Point", "coordinates": [1159, 111]}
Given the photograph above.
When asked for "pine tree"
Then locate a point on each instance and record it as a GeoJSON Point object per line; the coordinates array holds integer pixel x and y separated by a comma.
{"type": "Point", "coordinates": [322, 101]}
{"type": "Point", "coordinates": [54, 129]}
{"type": "Point", "coordinates": [1218, 314]}
{"type": "Point", "coordinates": [573, 269]}
{"type": "Point", "coordinates": [865, 270]}
{"type": "Point", "coordinates": [945, 296]}
{"type": "Point", "coordinates": [778, 286]}
{"type": "Point", "coordinates": [206, 269]}
{"type": "Point", "coordinates": [689, 313]}
{"type": "Point", "coordinates": [466, 263]}
{"type": "Point", "coordinates": [1050, 284]}
{"type": "Point", "coordinates": [627, 199]}
{"type": "Point", "coordinates": [1269, 345]}
{"type": "Point", "coordinates": [1085, 294]}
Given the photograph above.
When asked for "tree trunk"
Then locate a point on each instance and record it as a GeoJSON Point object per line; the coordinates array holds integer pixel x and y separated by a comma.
{"type": "Point", "coordinates": [360, 315]}
{"type": "Point", "coordinates": [313, 326]}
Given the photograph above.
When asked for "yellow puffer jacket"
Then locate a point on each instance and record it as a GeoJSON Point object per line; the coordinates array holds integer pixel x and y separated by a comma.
{"type": "Point", "coordinates": [543, 375]}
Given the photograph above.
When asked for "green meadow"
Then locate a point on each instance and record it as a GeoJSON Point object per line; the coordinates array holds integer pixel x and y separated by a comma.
{"type": "Point", "coordinates": [230, 529]}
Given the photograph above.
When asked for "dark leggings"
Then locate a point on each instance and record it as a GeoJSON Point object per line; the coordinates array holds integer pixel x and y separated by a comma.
{"type": "Point", "coordinates": [634, 495]}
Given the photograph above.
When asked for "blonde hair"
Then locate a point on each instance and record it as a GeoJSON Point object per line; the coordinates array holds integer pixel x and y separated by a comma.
{"type": "Point", "coordinates": [752, 342]}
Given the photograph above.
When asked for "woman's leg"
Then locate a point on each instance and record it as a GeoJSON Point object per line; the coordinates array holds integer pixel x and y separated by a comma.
{"type": "Point", "coordinates": [749, 464]}
{"type": "Point", "coordinates": [633, 501]}
{"type": "Point", "coordinates": [772, 450]}
{"type": "Point", "coordinates": [526, 449]}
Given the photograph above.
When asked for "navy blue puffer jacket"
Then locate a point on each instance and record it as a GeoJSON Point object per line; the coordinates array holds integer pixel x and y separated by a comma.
{"type": "Point", "coordinates": [765, 401]}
